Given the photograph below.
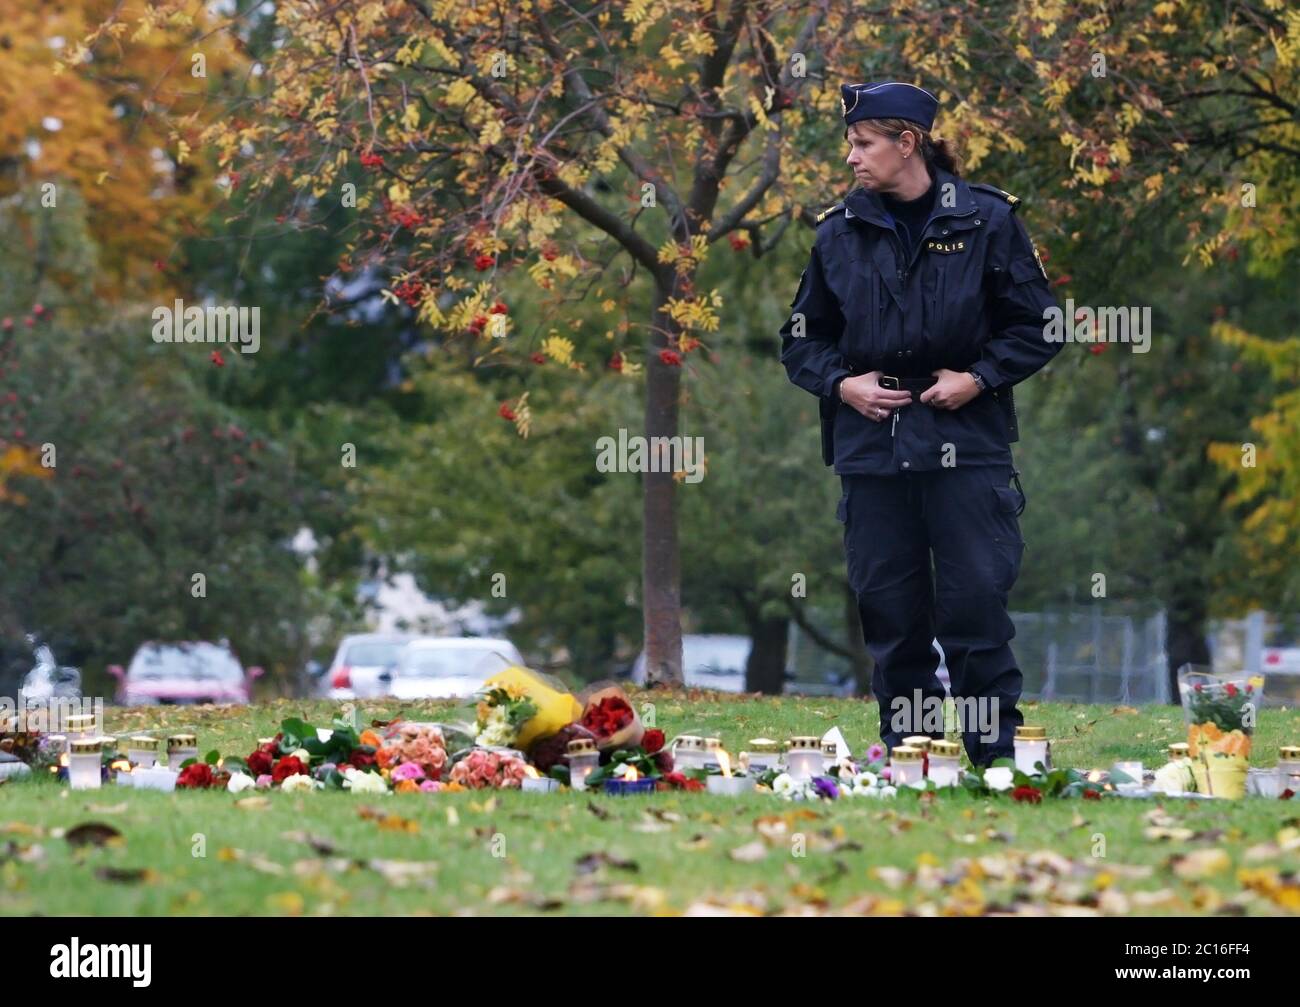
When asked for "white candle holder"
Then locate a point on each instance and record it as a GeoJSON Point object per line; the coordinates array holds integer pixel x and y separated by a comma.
{"type": "Point", "coordinates": [803, 758]}
{"type": "Point", "coordinates": [180, 749]}
{"type": "Point", "coordinates": [539, 784]}
{"type": "Point", "coordinates": [1032, 747]}
{"type": "Point", "coordinates": [85, 764]}
{"type": "Point", "coordinates": [583, 760]}
{"type": "Point", "coordinates": [730, 785]}
{"type": "Point", "coordinates": [155, 778]}
{"type": "Point", "coordinates": [142, 750]}
{"type": "Point", "coordinates": [906, 768]}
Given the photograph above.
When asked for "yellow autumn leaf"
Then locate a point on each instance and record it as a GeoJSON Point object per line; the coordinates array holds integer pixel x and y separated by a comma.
{"type": "Point", "coordinates": [558, 348]}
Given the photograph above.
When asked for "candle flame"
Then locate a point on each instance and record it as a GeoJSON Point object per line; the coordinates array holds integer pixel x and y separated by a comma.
{"type": "Point", "coordinates": [531, 772]}
{"type": "Point", "coordinates": [724, 760]}
{"type": "Point", "coordinates": [630, 774]}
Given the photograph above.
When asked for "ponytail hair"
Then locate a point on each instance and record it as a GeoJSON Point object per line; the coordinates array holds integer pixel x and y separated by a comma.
{"type": "Point", "coordinates": [941, 153]}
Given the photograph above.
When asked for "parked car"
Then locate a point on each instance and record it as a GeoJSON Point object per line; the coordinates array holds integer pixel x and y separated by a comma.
{"type": "Point", "coordinates": [709, 661]}
{"type": "Point", "coordinates": [360, 664]}
{"type": "Point", "coordinates": [191, 672]}
{"type": "Point", "coordinates": [449, 667]}
{"type": "Point", "coordinates": [717, 661]}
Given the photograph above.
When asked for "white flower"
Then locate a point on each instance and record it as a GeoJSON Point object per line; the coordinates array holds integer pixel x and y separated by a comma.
{"type": "Point", "coordinates": [783, 784]}
{"type": "Point", "coordinates": [998, 777]}
{"type": "Point", "coordinates": [361, 782]}
{"type": "Point", "coordinates": [302, 755]}
{"type": "Point", "coordinates": [240, 782]}
{"type": "Point", "coordinates": [888, 792]}
{"type": "Point", "coordinates": [497, 732]}
{"type": "Point", "coordinates": [299, 781]}
{"type": "Point", "coordinates": [864, 779]}
{"type": "Point", "coordinates": [1174, 777]}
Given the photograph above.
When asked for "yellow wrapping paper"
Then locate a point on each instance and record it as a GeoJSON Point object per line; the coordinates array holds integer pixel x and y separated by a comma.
{"type": "Point", "coordinates": [556, 708]}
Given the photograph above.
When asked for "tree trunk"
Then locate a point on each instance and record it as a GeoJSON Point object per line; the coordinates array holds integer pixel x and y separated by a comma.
{"type": "Point", "coordinates": [765, 669]}
{"type": "Point", "coordinates": [660, 562]}
{"type": "Point", "coordinates": [1184, 639]}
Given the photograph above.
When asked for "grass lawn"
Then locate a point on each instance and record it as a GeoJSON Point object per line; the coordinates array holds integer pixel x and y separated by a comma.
{"type": "Point", "coordinates": [508, 852]}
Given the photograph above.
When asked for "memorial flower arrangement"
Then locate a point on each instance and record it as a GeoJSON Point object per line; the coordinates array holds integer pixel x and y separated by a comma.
{"type": "Point", "coordinates": [1220, 711]}
{"type": "Point", "coordinates": [482, 769]}
{"type": "Point", "coordinates": [502, 711]}
{"type": "Point", "coordinates": [422, 746]}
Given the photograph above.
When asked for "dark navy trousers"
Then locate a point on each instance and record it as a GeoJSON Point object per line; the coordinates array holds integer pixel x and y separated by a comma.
{"type": "Point", "coordinates": [935, 554]}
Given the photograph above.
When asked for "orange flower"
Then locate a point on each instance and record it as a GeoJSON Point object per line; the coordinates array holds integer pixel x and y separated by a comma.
{"type": "Point", "coordinates": [407, 787]}
{"type": "Point", "coordinates": [1233, 743]}
{"type": "Point", "coordinates": [452, 788]}
{"type": "Point", "coordinates": [371, 738]}
{"type": "Point", "coordinates": [1198, 734]}
{"type": "Point", "coordinates": [385, 757]}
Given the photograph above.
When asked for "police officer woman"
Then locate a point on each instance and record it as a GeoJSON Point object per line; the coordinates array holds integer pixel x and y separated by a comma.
{"type": "Point", "coordinates": [922, 305]}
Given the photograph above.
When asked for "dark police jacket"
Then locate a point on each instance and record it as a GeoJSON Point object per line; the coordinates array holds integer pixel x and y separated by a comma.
{"type": "Point", "coordinates": [971, 295]}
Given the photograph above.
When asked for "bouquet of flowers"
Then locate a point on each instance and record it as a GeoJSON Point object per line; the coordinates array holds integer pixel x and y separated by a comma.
{"type": "Point", "coordinates": [421, 746]}
{"type": "Point", "coordinates": [501, 712]}
{"type": "Point", "coordinates": [482, 769]}
{"type": "Point", "coordinates": [1220, 711]}
{"type": "Point", "coordinates": [608, 715]}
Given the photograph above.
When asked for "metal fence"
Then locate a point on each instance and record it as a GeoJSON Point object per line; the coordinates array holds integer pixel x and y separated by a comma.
{"type": "Point", "coordinates": [1093, 657]}
{"type": "Point", "coordinates": [1110, 653]}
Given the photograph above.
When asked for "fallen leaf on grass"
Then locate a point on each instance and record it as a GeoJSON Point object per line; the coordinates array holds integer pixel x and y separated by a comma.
{"type": "Point", "coordinates": [126, 875]}
{"type": "Point", "coordinates": [597, 810]}
{"type": "Point", "coordinates": [400, 873]}
{"type": "Point", "coordinates": [24, 853]}
{"type": "Point", "coordinates": [106, 809]}
{"type": "Point", "coordinates": [286, 903]}
{"type": "Point", "coordinates": [322, 846]}
{"type": "Point", "coordinates": [892, 878]}
{"type": "Point", "coordinates": [21, 829]}
{"type": "Point", "coordinates": [1200, 864]}
{"type": "Point", "coordinates": [1158, 834]}
{"type": "Point", "coordinates": [591, 862]}
{"type": "Point", "coordinates": [231, 854]}
{"type": "Point", "coordinates": [387, 820]}
{"type": "Point", "coordinates": [93, 834]}
{"type": "Point", "coordinates": [255, 803]}
{"type": "Point", "coordinates": [751, 852]}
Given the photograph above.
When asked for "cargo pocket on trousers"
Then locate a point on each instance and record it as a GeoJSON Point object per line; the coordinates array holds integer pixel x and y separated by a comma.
{"type": "Point", "coordinates": [1009, 544]}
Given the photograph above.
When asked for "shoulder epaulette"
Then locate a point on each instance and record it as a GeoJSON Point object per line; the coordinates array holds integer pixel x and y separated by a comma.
{"type": "Point", "coordinates": [828, 211]}
{"type": "Point", "coordinates": [995, 191]}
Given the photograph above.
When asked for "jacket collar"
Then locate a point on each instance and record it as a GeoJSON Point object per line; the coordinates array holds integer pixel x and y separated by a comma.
{"type": "Point", "coordinates": [866, 205]}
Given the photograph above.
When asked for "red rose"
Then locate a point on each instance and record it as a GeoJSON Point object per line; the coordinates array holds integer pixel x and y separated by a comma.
{"type": "Point", "coordinates": [289, 766]}
{"type": "Point", "coordinates": [362, 759]}
{"type": "Point", "coordinates": [195, 775]}
{"type": "Point", "coordinates": [1092, 795]}
{"type": "Point", "coordinates": [652, 740]}
{"type": "Point", "coordinates": [1029, 795]}
{"type": "Point", "coordinates": [664, 762]}
{"type": "Point", "coordinates": [1232, 689]}
{"type": "Point", "coordinates": [260, 763]}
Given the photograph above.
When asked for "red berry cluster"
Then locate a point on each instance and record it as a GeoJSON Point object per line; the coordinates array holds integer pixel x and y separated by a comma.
{"type": "Point", "coordinates": [409, 293]}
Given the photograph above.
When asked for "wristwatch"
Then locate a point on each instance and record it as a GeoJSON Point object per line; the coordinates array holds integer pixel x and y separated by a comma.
{"type": "Point", "coordinates": [979, 381]}
{"type": "Point", "coordinates": [839, 389]}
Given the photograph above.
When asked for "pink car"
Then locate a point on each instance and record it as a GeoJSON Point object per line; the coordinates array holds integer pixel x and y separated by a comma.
{"type": "Point", "coordinates": [170, 673]}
